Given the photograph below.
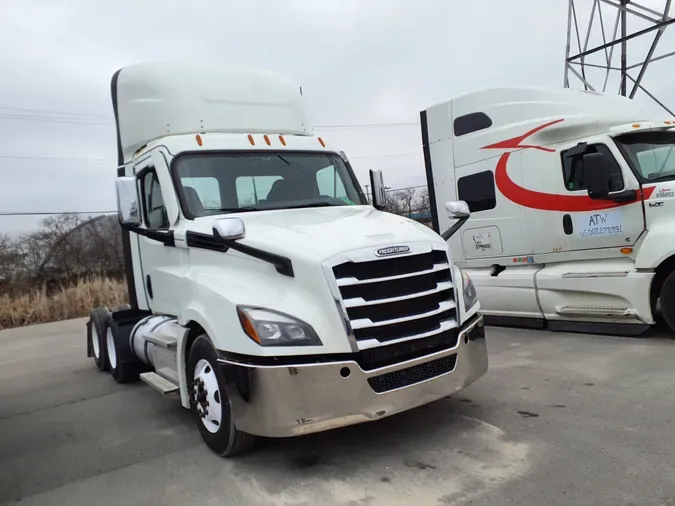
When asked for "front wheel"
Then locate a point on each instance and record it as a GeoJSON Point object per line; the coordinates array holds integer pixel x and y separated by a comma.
{"type": "Point", "coordinates": [210, 403]}
{"type": "Point", "coordinates": [668, 301]}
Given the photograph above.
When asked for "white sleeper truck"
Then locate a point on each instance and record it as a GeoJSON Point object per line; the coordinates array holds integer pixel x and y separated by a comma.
{"type": "Point", "coordinates": [264, 291]}
{"type": "Point", "coordinates": [572, 200]}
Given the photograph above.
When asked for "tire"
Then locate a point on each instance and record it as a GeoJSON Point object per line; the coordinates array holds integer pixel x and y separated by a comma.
{"type": "Point", "coordinates": [124, 366]}
{"type": "Point", "coordinates": [667, 297]}
{"type": "Point", "coordinates": [99, 320]}
{"type": "Point", "coordinates": [217, 429]}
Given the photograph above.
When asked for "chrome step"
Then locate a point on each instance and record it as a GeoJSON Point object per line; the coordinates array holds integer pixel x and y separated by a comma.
{"type": "Point", "coordinates": [159, 383]}
{"type": "Point", "coordinates": [160, 339]}
{"type": "Point", "coordinates": [620, 312]}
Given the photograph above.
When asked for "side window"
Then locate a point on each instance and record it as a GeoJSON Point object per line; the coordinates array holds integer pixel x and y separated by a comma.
{"type": "Point", "coordinates": [252, 189]}
{"type": "Point", "coordinates": [573, 169]}
{"type": "Point", "coordinates": [155, 213]}
{"type": "Point", "coordinates": [205, 189]}
{"type": "Point", "coordinates": [330, 183]}
{"type": "Point", "coordinates": [478, 190]}
{"type": "Point", "coordinates": [470, 123]}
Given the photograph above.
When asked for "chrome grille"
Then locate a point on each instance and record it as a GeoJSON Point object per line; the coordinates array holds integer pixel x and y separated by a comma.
{"type": "Point", "coordinates": [392, 299]}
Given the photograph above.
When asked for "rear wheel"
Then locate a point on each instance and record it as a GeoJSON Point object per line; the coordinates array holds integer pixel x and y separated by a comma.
{"type": "Point", "coordinates": [667, 299]}
{"type": "Point", "coordinates": [210, 403]}
{"type": "Point", "coordinates": [98, 326]}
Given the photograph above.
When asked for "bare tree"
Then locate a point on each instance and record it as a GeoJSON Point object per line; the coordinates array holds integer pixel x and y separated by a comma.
{"type": "Point", "coordinates": [65, 249]}
{"type": "Point", "coordinates": [31, 250]}
{"type": "Point", "coordinates": [406, 197]}
{"type": "Point", "coordinates": [393, 205]}
{"type": "Point", "coordinates": [10, 258]}
{"type": "Point", "coordinates": [423, 202]}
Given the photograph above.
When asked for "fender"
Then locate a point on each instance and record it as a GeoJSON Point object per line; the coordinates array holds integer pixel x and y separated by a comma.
{"type": "Point", "coordinates": [191, 314]}
{"type": "Point", "coordinates": [215, 289]}
{"type": "Point", "coordinates": [657, 246]}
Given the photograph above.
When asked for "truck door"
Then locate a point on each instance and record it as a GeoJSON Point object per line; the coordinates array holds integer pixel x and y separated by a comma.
{"type": "Point", "coordinates": [160, 262]}
{"type": "Point", "coordinates": [588, 224]}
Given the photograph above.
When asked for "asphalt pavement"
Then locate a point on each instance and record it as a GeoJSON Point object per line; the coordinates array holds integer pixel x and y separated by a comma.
{"type": "Point", "coordinates": [560, 419]}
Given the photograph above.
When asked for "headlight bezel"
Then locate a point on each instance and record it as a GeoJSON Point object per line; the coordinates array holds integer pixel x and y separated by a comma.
{"type": "Point", "coordinates": [469, 294]}
{"type": "Point", "coordinates": [258, 322]}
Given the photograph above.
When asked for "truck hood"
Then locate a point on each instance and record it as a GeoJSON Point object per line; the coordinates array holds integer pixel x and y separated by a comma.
{"type": "Point", "coordinates": [323, 232]}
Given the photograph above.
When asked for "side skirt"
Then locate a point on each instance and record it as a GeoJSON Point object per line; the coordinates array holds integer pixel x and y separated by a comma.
{"type": "Point", "coordinates": [611, 329]}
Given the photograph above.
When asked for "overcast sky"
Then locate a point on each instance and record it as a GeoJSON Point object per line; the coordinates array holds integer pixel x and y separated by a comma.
{"type": "Point", "coordinates": [358, 61]}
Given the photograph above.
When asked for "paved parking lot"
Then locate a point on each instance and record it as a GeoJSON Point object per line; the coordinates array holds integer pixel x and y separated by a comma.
{"type": "Point", "coordinates": [559, 419]}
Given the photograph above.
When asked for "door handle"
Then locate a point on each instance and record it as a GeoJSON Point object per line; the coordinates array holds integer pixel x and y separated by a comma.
{"type": "Point", "coordinates": [567, 224]}
{"type": "Point", "coordinates": [148, 283]}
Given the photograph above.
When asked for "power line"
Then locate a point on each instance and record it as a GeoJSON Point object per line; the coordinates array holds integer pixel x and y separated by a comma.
{"type": "Point", "coordinates": [46, 115]}
{"type": "Point", "coordinates": [409, 153]}
{"type": "Point", "coordinates": [367, 125]}
{"type": "Point", "coordinates": [55, 119]}
{"type": "Point", "coordinates": [52, 213]}
{"type": "Point", "coordinates": [406, 177]}
{"type": "Point", "coordinates": [49, 111]}
{"type": "Point", "coordinates": [30, 157]}
{"type": "Point", "coordinates": [99, 117]}
{"type": "Point", "coordinates": [406, 188]}
{"type": "Point", "coordinates": [56, 213]}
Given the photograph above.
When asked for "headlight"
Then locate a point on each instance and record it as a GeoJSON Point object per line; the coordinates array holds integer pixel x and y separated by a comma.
{"type": "Point", "coordinates": [270, 328]}
{"type": "Point", "coordinates": [470, 296]}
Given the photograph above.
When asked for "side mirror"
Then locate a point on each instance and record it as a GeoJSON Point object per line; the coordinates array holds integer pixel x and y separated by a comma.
{"type": "Point", "coordinates": [595, 176]}
{"type": "Point", "coordinates": [229, 229]}
{"type": "Point", "coordinates": [128, 208]}
{"type": "Point", "coordinates": [457, 210]}
{"type": "Point", "coordinates": [377, 184]}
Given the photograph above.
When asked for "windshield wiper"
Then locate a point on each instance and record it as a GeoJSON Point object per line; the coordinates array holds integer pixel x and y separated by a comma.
{"type": "Point", "coordinates": [245, 209]}
{"type": "Point", "coordinates": [313, 204]}
{"type": "Point", "coordinates": [661, 178]}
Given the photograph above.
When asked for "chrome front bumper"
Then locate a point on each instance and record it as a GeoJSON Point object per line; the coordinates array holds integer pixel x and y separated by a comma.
{"type": "Point", "coordinates": [291, 400]}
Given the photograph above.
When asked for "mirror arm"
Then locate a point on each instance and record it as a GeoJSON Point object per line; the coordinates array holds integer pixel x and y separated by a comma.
{"type": "Point", "coordinates": [215, 242]}
{"type": "Point", "coordinates": [578, 151]}
{"type": "Point", "coordinates": [624, 196]}
{"type": "Point", "coordinates": [282, 264]}
{"type": "Point", "coordinates": [454, 228]}
{"type": "Point", "coordinates": [600, 197]}
{"type": "Point", "coordinates": [163, 236]}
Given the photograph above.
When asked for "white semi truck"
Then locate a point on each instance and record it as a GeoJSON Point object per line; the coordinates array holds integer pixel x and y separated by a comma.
{"type": "Point", "coordinates": [572, 199]}
{"type": "Point", "coordinates": [263, 289]}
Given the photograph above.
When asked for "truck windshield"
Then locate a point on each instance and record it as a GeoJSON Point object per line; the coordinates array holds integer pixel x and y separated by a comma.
{"type": "Point", "coordinates": [213, 183]}
{"type": "Point", "coordinates": [651, 154]}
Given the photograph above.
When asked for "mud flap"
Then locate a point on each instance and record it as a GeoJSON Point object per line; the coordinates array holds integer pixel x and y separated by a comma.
{"type": "Point", "coordinates": [90, 349]}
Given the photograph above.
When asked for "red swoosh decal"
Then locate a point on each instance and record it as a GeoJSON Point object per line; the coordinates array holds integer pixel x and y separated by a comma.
{"type": "Point", "coordinates": [546, 201]}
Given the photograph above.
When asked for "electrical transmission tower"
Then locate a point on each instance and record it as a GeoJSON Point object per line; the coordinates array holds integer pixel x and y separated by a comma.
{"type": "Point", "coordinates": [595, 43]}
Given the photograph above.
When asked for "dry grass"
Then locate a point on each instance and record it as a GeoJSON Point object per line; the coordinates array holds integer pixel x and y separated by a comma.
{"type": "Point", "coordinates": [73, 302]}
